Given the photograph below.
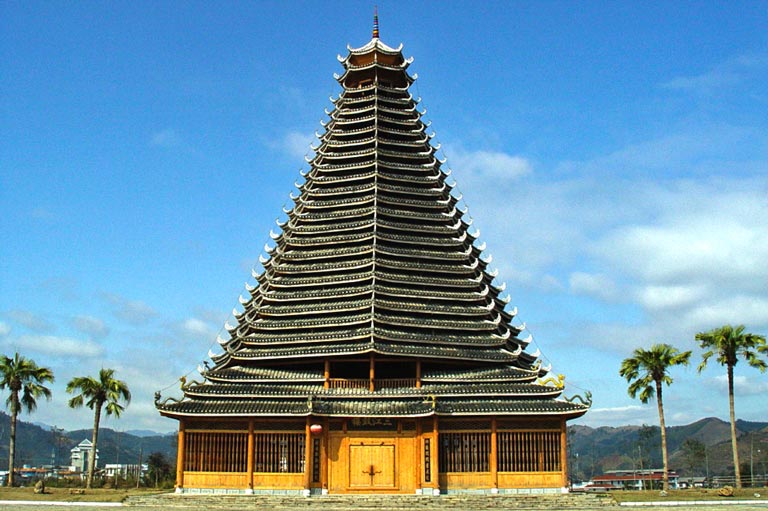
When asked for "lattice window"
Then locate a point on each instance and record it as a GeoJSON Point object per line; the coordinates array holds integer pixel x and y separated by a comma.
{"type": "Point", "coordinates": [528, 451]}
{"type": "Point", "coordinates": [465, 452]}
{"type": "Point", "coordinates": [216, 452]}
{"type": "Point", "coordinates": [279, 452]}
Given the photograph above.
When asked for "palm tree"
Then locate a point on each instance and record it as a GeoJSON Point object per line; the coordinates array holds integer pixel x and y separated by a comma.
{"type": "Point", "coordinates": [95, 393]}
{"type": "Point", "coordinates": [645, 371]}
{"type": "Point", "coordinates": [729, 343]}
{"type": "Point", "coordinates": [22, 375]}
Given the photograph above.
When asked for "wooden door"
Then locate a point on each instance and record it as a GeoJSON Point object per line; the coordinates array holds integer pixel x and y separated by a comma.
{"type": "Point", "coordinates": [372, 465]}
{"type": "Point", "coordinates": [369, 462]}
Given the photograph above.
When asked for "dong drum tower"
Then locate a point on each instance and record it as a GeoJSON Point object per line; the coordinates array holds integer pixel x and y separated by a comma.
{"type": "Point", "coordinates": [375, 354]}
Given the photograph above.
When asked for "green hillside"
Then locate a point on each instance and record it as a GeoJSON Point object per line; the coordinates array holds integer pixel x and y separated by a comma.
{"type": "Point", "coordinates": [593, 451]}
{"type": "Point", "coordinates": [37, 446]}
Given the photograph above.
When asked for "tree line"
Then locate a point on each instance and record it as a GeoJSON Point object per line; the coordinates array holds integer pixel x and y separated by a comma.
{"type": "Point", "coordinates": [26, 384]}
{"type": "Point", "coordinates": [647, 370]}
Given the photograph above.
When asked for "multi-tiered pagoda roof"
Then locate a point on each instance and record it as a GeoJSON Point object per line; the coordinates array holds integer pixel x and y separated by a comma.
{"type": "Point", "coordinates": [375, 260]}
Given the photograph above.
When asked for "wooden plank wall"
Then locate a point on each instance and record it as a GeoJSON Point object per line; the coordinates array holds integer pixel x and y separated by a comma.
{"type": "Point", "coordinates": [460, 456]}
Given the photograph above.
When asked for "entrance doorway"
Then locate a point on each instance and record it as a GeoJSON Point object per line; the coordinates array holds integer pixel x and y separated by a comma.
{"type": "Point", "coordinates": [372, 465]}
{"type": "Point", "coordinates": [367, 462]}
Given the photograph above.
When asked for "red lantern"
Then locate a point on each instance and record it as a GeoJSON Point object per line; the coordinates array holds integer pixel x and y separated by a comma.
{"type": "Point", "coordinates": [316, 429]}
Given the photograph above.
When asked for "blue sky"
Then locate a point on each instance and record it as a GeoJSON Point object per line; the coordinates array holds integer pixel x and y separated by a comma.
{"type": "Point", "coordinates": [614, 156]}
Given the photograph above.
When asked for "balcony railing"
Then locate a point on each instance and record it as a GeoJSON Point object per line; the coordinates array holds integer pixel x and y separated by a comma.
{"type": "Point", "coordinates": [365, 383]}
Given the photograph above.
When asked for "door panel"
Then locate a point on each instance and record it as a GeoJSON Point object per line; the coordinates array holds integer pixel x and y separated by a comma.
{"type": "Point", "coordinates": [372, 465]}
{"type": "Point", "coordinates": [350, 458]}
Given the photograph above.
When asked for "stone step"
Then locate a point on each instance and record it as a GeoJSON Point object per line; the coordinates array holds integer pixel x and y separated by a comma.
{"type": "Point", "coordinates": [453, 502]}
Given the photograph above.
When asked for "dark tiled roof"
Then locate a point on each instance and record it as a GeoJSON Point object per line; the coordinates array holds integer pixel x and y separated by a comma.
{"type": "Point", "coordinates": [504, 407]}
{"type": "Point", "coordinates": [402, 407]}
{"type": "Point", "coordinates": [374, 258]}
{"type": "Point", "coordinates": [481, 390]}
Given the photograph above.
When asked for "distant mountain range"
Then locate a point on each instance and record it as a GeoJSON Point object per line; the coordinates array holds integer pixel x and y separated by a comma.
{"type": "Point", "coordinates": [39, 444]}
{"type": "Point", "coordinates": [591, 450]}
{"type": "Point", "coordinates": [697, 449]}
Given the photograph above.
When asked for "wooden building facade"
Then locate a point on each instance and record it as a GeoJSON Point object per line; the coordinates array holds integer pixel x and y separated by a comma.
{"type": "Point", "coordinates": [375, 353]}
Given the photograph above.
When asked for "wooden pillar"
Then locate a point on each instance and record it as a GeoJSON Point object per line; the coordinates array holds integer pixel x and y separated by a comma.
{"type": "Point", "coordinates": [564, 452]}
{"type": "Point", "coordinates": [307, 455]}
{"type": "Point", "coordinates": [249, 458]}
{"type": "Point", "coordinates": [324, 448]}
{"type": "Point", "coordinates": [418, 374]}
{"type": "Point", "coordinates": [494, 457]}
{"type": "Point", "coordinates": [327, 374]}
{"type": "Point", "coordinates": [372, 374]}
{"type": "Point", "coordinates": [436, 455]}
{"type": "Point", "coordinates": [180, 457]}
{"type": "Point", "coordinates": [419, 454]}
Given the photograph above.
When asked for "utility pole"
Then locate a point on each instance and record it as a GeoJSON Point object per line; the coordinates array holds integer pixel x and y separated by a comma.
{"type": "Point", "coordinates": [138, 474]}
{"type": "Point", "coordinates": [117, 462]}
{"type": "Point", "coordinates": [751, 459]}
{"type": "Point", "coordinates": [706, 461]}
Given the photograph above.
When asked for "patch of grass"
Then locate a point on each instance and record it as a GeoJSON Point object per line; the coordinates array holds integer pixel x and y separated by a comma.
{"type": "Point", "coordinates": [691, 494]}
{"type": "Point", "coordinates": [64, 495]}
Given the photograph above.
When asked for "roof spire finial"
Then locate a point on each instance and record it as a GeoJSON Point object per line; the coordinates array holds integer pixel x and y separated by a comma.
{"type": "Point", "coordinates": [375, 22]}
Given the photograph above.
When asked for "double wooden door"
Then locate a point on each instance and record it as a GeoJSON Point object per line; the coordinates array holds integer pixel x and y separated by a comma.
{"type": "Point", "coordinates": [366, 463]}
{"type": "Point", "coordinates": [372, 465]}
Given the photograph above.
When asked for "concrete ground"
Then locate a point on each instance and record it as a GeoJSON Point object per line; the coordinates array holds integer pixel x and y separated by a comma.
{"type": "Point", "coordinates": [100, 506]}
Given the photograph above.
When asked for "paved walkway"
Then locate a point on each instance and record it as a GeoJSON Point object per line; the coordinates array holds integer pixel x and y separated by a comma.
{"type": "Point", "coordinates": [743, 505]}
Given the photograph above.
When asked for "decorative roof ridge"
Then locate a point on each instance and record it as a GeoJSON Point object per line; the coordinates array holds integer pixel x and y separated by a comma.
{"type": "Point", "coordinates": [374, 44]}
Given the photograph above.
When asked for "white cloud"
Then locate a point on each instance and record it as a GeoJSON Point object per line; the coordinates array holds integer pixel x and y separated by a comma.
{"type": "Point", "coordinates": [708, 82]}
{"type": "Point", "coordinates": [57, 346]}
{"type": "Point", "coordinates": [91, 326]}
{"type": "Point", "coordinates": [714, 244]}
{"type": "Point", "coordinates": [196, 328]}
{"type": "Point", "coordinates": [598, 285]}
{"type": "Point", "coordinates": [725, 75]}
{"type": "Point", "coordinates": [742, 385]}
{"type": "Point", "coordinates": [5, 329]}
{"type": "Point", "coordinates": [493, 165]}
{"type": "Point", "coordinates": [31, 320]}
{"type": "Point", "coordinates": [720, 309]}
{"type": "Point", "coordinates": [670, 296]}
{"type": "Point", "coordinates": [135, 312]}
{"type": "Point", "coordinates": [297, 144]}
{"type": "Point", "coordinates": [620, 416]}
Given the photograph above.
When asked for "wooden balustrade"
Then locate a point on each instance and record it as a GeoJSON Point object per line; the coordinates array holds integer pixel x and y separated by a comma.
{"type": "Point", "coordinates": [395, 383]}
{"type": "Point", "coordinates": [349, 383]}
{"type": "Point", "coordinates": [364, 383]}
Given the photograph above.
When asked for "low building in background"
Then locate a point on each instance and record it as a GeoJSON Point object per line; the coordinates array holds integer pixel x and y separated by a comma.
{"type": "Point", "coordinates": [79, 455]}
{"type": "Point", "coordinates": [648, 479]}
